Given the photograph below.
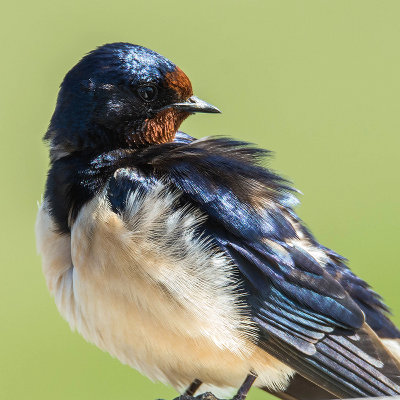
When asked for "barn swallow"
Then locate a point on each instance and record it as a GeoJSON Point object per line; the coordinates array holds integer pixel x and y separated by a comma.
{"type": "Point", "coordinates": [184, 258]}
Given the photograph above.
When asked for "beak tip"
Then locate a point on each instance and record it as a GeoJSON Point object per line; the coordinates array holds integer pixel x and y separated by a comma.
{"type": "Point", "coordinates": [196, 105]}
{"type": "Point", "coordinates": [217, 111]}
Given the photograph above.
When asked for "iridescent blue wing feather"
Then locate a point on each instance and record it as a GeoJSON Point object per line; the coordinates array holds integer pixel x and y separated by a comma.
{"type": "Point", "coordinates": [309, 307]}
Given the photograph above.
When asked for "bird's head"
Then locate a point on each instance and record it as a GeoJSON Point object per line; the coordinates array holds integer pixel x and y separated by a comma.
{"type": "Point", "coordinates": [121, 95]}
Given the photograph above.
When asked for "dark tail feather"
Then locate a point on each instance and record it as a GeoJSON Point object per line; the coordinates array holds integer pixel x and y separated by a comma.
{"type": "Point", "coordinates": [301, 389]}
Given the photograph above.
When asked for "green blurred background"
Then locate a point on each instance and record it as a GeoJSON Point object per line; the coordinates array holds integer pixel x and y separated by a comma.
{"type": "Point", "coordinates": [315, 81]}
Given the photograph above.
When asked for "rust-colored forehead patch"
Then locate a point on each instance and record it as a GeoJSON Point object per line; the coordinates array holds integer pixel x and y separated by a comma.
{"type": "Point", "coordinates": [180, 83]}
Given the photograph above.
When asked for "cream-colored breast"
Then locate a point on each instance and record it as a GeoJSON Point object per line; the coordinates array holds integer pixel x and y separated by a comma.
{"type": "Point", "coordinates": [144, 287]}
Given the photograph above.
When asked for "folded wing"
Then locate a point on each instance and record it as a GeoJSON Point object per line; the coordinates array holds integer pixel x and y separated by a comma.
{"type": "Point", "coordinates": [311, 311]}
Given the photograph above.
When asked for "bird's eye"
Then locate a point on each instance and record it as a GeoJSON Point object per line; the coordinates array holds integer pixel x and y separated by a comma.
{"type": "Point", "coordinates": [147, 92]}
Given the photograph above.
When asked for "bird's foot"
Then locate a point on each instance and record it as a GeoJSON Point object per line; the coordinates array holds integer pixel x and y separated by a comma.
{"type": "Point", "coordinates": [240, 395]}
{"type": "Point", "coordinates": [203, 396]}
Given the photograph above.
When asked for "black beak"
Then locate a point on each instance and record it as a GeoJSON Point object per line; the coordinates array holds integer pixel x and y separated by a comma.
{"type": "Point", "coordinates": [195, 105]}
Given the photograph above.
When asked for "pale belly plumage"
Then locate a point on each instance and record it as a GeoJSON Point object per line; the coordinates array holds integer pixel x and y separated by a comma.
{"type": "Point", "coordinates": [144, 288]}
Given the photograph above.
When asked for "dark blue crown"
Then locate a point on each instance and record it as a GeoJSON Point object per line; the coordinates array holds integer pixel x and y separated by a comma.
{"type": "Point", "coordinates": [120, 63]}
